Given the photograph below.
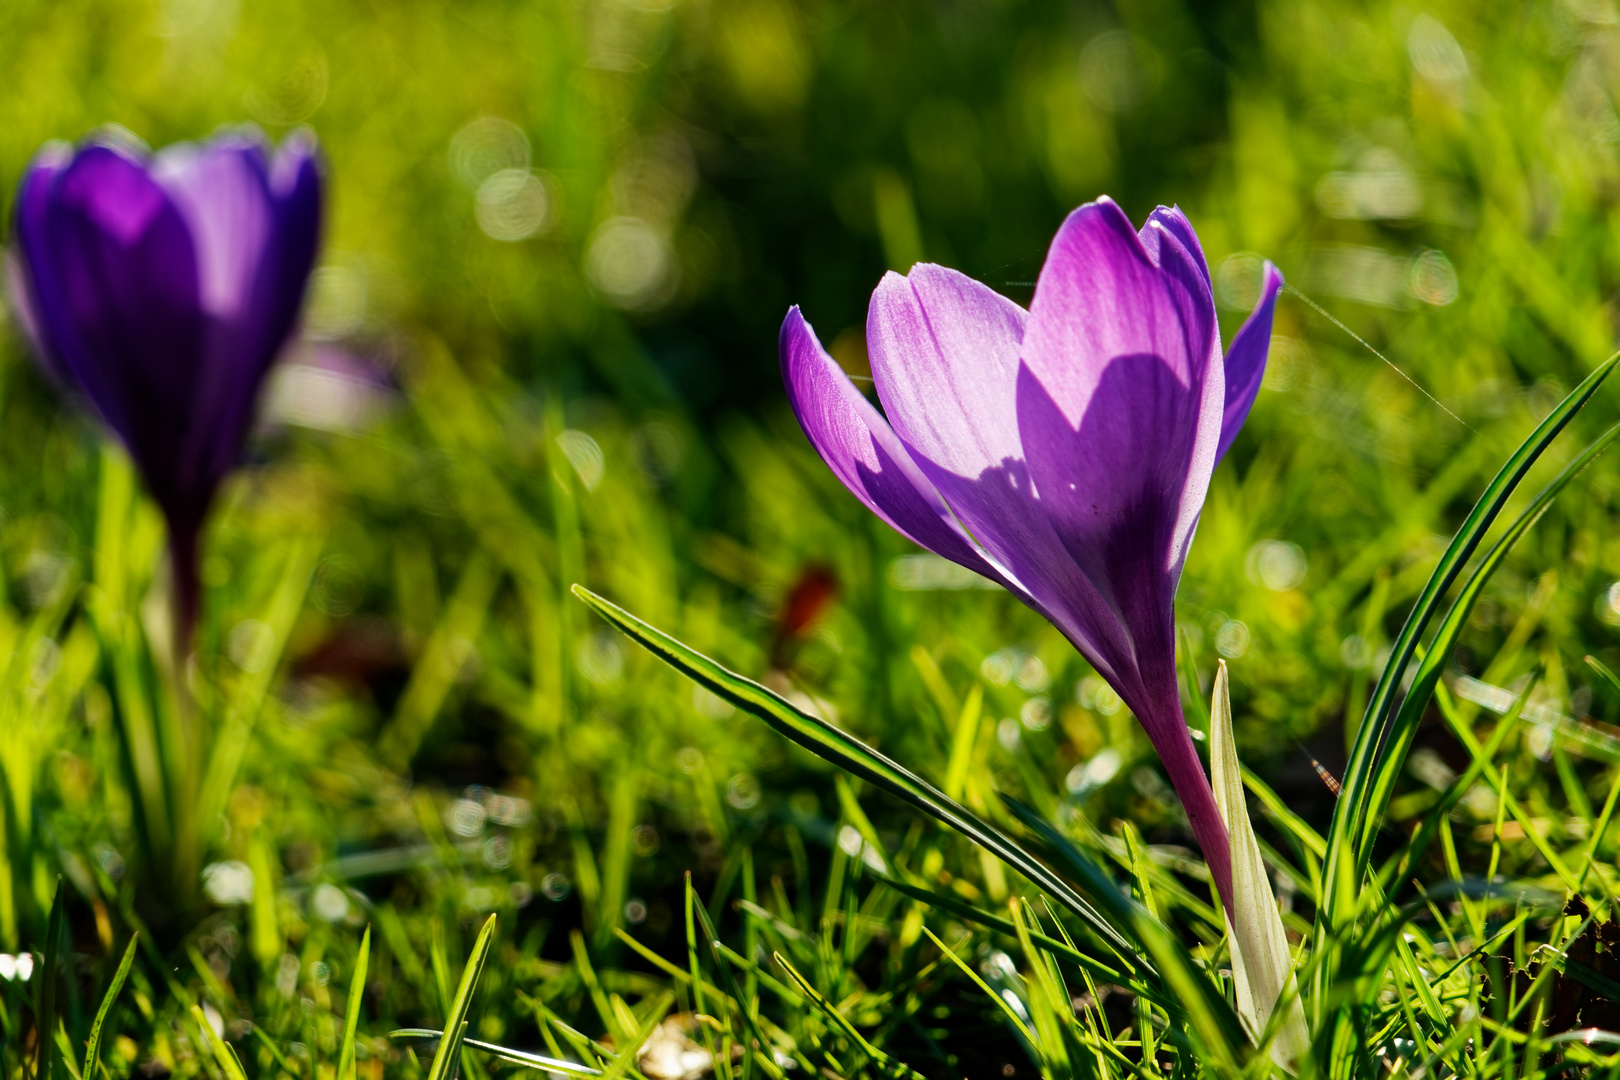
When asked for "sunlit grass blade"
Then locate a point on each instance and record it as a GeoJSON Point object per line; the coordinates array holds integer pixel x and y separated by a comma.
{"type": "Point", "coordinates": [1478, 762]}
{"type": "Point", "coordinates": [840, 748]}
{"type": "Point", "coordinates": [224, 1053]}
{"type": "Point", "coordinates": [636, 1038]}
{"type": "Point", "coordinates": [1355, 808]}
{"type": "Point", "coordinates": [1610, 679]}
{"type": "Point", "coordinates": [351, 1017]}
{"type": "Point", "coordinates": [967, 969]}
{"type": "Point", "coordinates": [963, 910]}
{"type": "Point", "coordinates": [505, 1053]}
{"type": "Point", "coordinates": [1208, 1013]}
{"type": "Point", "coordinates": [92, 1047]}
{"type": "Point", "coordinates": [1401, 732]}
{"type": "Point", "coordinates": [455, 1023]}
{"type": "Point", "coordinates": [737, 997]}
{"type": "Point", "coordinates": [888, 1064]}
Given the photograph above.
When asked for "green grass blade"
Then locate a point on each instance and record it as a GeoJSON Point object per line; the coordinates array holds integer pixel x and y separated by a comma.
{"type": "Point", "coordinates": [92, 1048]}
{"type": "Point", "coordinates": [967, 969]}
{"type": "Point", "coordinates": [505, 1053]}
{"type": "Point", "coordinates": [1346, 855]}
{"type": "Point", "coordinates": [888, 1064]}
{"type": "Point", "coordinates": [1404, 728]}
{"type": "Point", "coordinates": [351, 1016]}
{"type": "Point", "coordinates": [842, 749]}
{"type": "Point", "coordinates": [636, 1039]}
{"type": "Point", "coordinates": [455, 1024]}
{"type": "Point", "coordinates": [45, 1003]}
{"type": "Point", "coordinates": [1207, 1013]}
{"type": "Point", "coordinates": [224, 1054]}
{"type": "Point", "coordinates": [737, 996]}
{"type": "Point", "coordinates": [1610, 679]}
{"type": "Point", "coordinates": [963, 910]}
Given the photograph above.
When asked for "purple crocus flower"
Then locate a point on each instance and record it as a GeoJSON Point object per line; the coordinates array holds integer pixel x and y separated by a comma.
{"type": "Point", "coordinates": [1063, 452]}
{"type": "Point", "coordinates": [162, 287]}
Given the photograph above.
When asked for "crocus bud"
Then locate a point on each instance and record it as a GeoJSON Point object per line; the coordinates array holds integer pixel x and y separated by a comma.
{"type": "Point", "coordinates": [1262, 967]}
{"type": "Point", "coordinates": [161, 287]}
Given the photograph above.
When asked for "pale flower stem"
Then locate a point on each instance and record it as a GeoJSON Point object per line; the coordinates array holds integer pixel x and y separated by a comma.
{"type": "Point", "coordinates": [1262, 966]}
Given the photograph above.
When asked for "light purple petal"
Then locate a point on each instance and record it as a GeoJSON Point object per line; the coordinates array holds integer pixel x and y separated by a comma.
{"type": "Point", "coordinates": [944, 352]}
{"type": "Point", "coordinates": [1246, 360]}
{"type": "Point", "coordinates": [863, 451]}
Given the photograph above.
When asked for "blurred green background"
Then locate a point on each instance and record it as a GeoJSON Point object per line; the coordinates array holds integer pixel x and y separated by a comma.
{"type": "Point", "coordinates": [540, 349]}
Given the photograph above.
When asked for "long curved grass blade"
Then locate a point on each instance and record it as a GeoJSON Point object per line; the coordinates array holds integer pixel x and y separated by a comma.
{"type": "Point", "coordinates": [1345, 841]}
{"type": "Point", "coordinates": [455, 1024]}
{"type": "Point", "coordinates": [1404, 728]}
{"type": "Point", "coordinates": [1208, 1013]}
{"type": "Point", "coordinates": [505, 1053]}
{"type": "Point", "coordinates": [92, 1047]}
{"type": "Point", "coordinates": [1477, 764]}
{"type": "Point", "coordinates": [351, 1012]}
{"type": "Point", "coordinates": [829, 743]}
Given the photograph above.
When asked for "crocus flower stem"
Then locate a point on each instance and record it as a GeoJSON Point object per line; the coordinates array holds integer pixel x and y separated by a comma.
{"type": "Point", "coordinates": [184, 555]}
{"type": "Point", "coordinates": [1064, 451]}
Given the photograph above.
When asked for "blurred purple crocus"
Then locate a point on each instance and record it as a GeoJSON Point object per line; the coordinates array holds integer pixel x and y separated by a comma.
{"type": "Point", "coordinates": [1063, 452]}
{"type": "Point", "coordinates": [162, 287]}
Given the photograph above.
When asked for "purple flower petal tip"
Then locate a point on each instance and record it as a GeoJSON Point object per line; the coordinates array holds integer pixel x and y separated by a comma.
{"type": "Point", "coordinates": [1064, 451]}
{"type": "Point", "coordinates": [1246, 359]}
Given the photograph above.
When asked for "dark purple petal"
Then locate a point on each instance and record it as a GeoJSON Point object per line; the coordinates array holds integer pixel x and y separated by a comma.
{"type": "Point", "coordinates": [1246, 360]}
{"type": "Point", "coordinates": [863, 451]}
{"type": "Point", "coordinates": [32, 199]}
{"type": "Point", "coordinates": [222, 191]}
{"type": "Point", "coordinates": [114, 276]}
{"type": "Point", "coordinates": [257, 226]}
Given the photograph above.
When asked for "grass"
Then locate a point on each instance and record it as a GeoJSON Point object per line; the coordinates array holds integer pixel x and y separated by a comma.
{"type": "Point", "coordinates": [403, 722]}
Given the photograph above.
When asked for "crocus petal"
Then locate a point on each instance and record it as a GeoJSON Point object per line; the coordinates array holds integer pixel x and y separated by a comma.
{"type": "Point", "coordinates": [256, 228]}
{"type": "Point", "coordinates": [863, 451]}
{"type": "Point", "coordinates": [220, 189]}
{"type": "Point", "coordinates": [1262, 967]}
{"type": "Point", "coordinates": [1170, 220]}
{"type": "Point", "coordinates": [32, 200]}
{"type": "Point", "coordinates": [1119, 408]}
{"type": "Point", "coordinates": [114, 277]}
{"type": "Point", "coordinates": [944, 351]}
{"type": "Point", "coordinates": [1246, 360]}
{"type": "Point", "coordinates": [1119, 414]}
